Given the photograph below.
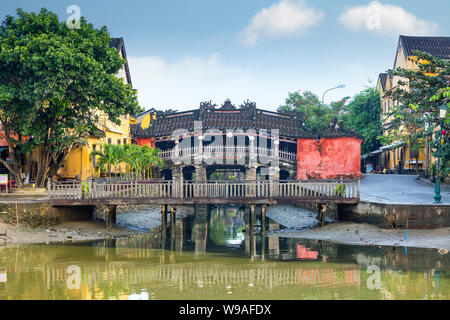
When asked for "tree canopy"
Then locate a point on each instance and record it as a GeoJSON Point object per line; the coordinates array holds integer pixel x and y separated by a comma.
{"type": "Point", "coordinates": [360, 114]}
{"type": "Point", "coordinates": [54, 81]}
{"type": "Point", "coordinates": [419, 95]}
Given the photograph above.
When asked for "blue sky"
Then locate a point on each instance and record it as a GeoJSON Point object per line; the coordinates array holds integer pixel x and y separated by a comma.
{"type": "Point", "coordinates": [183, 52]}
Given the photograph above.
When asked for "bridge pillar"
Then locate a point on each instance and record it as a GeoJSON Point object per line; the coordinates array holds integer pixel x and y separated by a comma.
{"type": "Point", "coordinates": [321, 213]}
{"type": "Point", "coordinates": [200, 173]}
{"type": "Point", "coordinates": [173, 225]}
{"type": "Point", "coordinates": [164, 218]}
{"type": "Point", "coordinates": [250, 175]}
{"type": "Point", "coordinates": [177, 173]}
{"type": "Point", "coordinates": [252, 232]}
{"type": "Point", "coordinates": [263, 231]}
{"type": "Point", "coordinates": [110, 217]}
{"type": "Point", "coordinates": [263, 218]}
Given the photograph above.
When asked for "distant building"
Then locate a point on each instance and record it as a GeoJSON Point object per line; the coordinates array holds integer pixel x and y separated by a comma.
{"type": "Point", "coordinates": [79, 163]}
{"type": "Point", "coordinates": [398, 156]}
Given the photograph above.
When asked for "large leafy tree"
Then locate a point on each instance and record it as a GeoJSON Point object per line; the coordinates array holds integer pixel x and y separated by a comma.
{"type": "Point", "coordinates": [362, 115]}
{"type": "Point", "coordinates": [317, 115]}
{"type": "Point", "coordinates": [419, 94]}
{"type": "Point", "coordinates": [54, 81]}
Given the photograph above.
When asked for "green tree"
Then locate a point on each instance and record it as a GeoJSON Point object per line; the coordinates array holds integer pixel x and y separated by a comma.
{"type": "Point", "coordinates": [362, 115]}
{"type": "Point", "coordinates": [53, 83]}
{"type": "Point", "coordinates": [316, 115]}
{"type": "Point", "coordinates": [443, 97]}
{"type": "Point", "coordinates": [106, 157]}
{"type": "Point", "coordinates": [419, 94]}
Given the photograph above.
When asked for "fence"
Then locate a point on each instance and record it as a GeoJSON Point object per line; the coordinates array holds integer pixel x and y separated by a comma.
{"type": "Point", "coordinates": [151, 189]}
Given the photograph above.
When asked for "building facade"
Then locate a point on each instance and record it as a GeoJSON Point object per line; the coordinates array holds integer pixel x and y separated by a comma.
{"type": "Point", "coordinates": [399, 156]}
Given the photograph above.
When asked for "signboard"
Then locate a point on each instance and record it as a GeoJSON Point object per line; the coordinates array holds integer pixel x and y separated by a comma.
{"type": "Point", "coordinates": [3, 179]}
{"type": "Point", "coordinates": [3, 276]}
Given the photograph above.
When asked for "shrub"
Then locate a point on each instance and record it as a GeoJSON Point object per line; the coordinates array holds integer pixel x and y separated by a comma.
{"type": "Point", "coordinates": [340, 190]}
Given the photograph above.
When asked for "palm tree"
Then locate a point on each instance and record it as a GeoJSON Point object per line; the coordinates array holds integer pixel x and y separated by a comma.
{"type": "Point", "coordinates": [118, 153]}
{"type": "Point", "coordinates": [105, 158]}
{"type": "Point", "coordinates": [150, 158]}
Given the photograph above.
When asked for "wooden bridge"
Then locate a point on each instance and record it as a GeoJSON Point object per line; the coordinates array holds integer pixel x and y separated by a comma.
{"type": "Point", "coordinates": [94, 192]}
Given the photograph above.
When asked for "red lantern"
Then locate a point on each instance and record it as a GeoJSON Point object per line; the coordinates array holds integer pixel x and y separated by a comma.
{"type": "Point", "coordinates": [444, 132]}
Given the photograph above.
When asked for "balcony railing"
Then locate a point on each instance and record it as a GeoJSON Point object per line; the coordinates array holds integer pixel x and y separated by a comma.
{"type": "Point", "coordinates": [233, 152]}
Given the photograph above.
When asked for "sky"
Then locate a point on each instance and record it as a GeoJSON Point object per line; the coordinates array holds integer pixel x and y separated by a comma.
{"type": "Point", "coordinates": [183, 52]}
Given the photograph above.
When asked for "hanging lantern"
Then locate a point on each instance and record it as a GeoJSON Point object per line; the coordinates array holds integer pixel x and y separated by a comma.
{"type": "Point", "coordinates": [444, 132]}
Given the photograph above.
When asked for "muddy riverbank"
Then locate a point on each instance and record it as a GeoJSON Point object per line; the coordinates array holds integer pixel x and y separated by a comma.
{"type": "Point", "coordinates": [65, 232]}
{"type": "Point", "coordinates": [301, 223]}
{"type": "Point", "coordinates": [295, 222]}
{"type": "Point", "coordinates": [368, 235]}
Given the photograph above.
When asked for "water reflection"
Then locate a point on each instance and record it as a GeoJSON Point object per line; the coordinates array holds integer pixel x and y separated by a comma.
{"type": "Point", "coordinates": [216, 254]}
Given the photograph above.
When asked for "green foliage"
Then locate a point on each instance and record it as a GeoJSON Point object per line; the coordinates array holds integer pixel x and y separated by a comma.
{"type": "Point", "coordinates": [316, 115]}
{"type": "Point", "coordinates": [53, 82]}
{"type": "Point", "coordinates": [138, 159]}
{"type": "Point", "coordinates": [340, 190]}
{"type": "Point", "coordinates": [362, 115]}
{"type": "Point", "coordinates": [419, 94]}
{"type": "Point", "coordinates": [85, 188]}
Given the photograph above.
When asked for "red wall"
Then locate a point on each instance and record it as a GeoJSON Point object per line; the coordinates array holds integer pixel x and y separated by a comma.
{"type": "Point", "coordinates": [329, 158]}
{"type": "Point", "coordinates": [146, 142]}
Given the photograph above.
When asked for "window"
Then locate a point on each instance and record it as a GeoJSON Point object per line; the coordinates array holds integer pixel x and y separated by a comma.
{"type": "Point", "coordinates": [94, 147]}
{"type": "Point", "coordinates": [109, 141]}
{"type": "Point", "coordinates": [118, 141]}
{"type": "Point", "coordinates": [124, 140]}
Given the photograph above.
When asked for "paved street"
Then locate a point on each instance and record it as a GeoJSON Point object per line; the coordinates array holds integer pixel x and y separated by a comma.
{"type": "Point", "coordinates": [398, 189]}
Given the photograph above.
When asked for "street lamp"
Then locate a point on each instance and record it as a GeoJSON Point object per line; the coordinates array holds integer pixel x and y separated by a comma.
{"type": "Point", "coordinates": [437, 188]}
{"type": "Point", "coordinates": [338, 87]}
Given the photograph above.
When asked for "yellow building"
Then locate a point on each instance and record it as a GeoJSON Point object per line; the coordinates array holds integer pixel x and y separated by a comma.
{"type": "Point", "coordinates": [398, 155]}
{"type": "Point", "coordinates": [79, 164]}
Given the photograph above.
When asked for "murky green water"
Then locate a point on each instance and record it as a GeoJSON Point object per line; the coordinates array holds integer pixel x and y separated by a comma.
{"type": "Point", "coordinates": [217, 256]}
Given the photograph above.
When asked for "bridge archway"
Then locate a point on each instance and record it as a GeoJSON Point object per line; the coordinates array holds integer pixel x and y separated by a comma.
{"type": "Point", "coordinates": [166, 174]}
{"type": "Point", "coordinates": [284, 174]}
{"type": "Point", "coordinates": [262, 173]}
{"type": "Point", "coordinates": [189, 173]}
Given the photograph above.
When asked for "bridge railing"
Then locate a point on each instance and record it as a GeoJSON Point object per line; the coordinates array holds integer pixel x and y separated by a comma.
{"type": "Point", "coordinates": [228, 151]}
{"type": "Point", "coordinates": [308, 189]}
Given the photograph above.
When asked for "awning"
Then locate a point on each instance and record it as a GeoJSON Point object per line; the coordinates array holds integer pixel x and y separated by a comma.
{"type": "Point", "coordinates": [373, 153]}
{"type": "Point", "coordinates": [395, 145]}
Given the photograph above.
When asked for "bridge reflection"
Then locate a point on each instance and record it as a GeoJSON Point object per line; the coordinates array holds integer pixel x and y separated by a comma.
{"type": "Point", "coordinates": [218, 254]}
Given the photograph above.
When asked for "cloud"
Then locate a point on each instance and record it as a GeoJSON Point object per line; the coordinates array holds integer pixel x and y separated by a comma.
{"type": "Point", "coordinates": [184, 83]}
{"type": "Point", "coordinates": [386, 19]}
{"type": "Point", "coordinates": [280, 19]}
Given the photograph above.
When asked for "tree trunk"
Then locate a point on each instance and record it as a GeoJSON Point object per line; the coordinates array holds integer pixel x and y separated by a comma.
{"type": "Point", "coordinates": [17, 173]}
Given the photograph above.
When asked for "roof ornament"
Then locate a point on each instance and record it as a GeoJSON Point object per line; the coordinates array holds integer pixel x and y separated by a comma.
{"type": "Point", "coordinates": [227, 106]}
{"type": "Point", "coordinates": [207, 106]}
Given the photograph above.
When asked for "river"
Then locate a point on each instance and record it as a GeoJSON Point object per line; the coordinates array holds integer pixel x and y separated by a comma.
{"type": "Point", "coordinates": [214, 254]}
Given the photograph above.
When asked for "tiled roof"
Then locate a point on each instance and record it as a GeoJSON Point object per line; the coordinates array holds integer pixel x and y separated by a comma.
{"type": "Point", "coordinates": [383, 78]}
{"type": "Point", "coordinates": [436, 46]}
{"type": "Point", "coordinates": [247, 116]}
{"type": "Point", "coordinates": [119, 44]}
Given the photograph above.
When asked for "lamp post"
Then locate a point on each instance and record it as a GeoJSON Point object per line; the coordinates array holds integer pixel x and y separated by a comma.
{"type": "Point", "coordinates": [437, 188]}
{"type": "Point", "coordinates": [338, 87]}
